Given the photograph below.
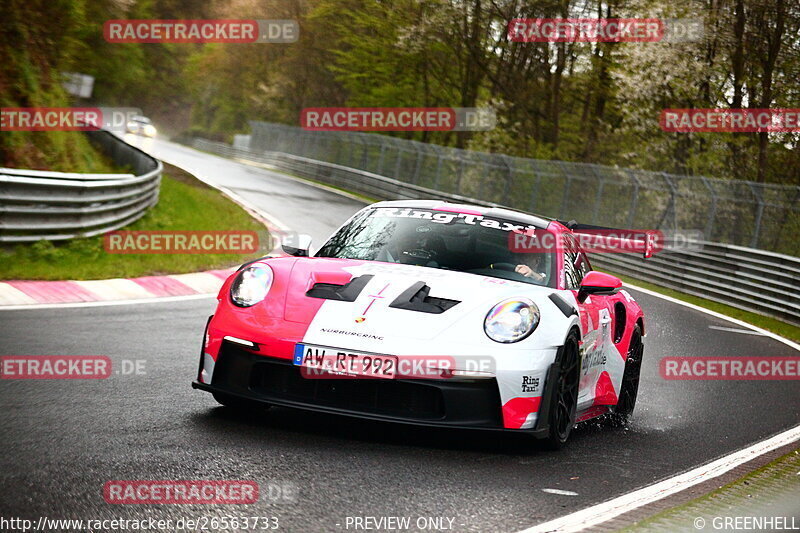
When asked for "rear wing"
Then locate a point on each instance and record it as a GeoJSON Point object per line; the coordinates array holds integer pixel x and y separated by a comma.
{"type": "Point", "coordinates": [599, 239]}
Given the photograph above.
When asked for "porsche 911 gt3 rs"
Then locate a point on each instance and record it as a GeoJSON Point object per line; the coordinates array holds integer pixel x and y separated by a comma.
{"type": "Point", "coordinates": [429, 313]}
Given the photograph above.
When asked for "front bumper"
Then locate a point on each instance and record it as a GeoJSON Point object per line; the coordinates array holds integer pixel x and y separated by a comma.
{"type": "Point", "coordinates": [451, 403]}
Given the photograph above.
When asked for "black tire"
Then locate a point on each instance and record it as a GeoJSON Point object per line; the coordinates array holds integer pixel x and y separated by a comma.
{"type": "Point", "coordinates": [564, 402]}
{"type": "Point", "coordinates": [236, 403]}
{"type": "Point", "coordinates": [630, 378]}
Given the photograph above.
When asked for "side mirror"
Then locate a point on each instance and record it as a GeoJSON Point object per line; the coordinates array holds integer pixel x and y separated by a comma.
{"type": "Point", "coordinates": [598, 283]}
{"type": "Point", "coordinates": [296, 245]}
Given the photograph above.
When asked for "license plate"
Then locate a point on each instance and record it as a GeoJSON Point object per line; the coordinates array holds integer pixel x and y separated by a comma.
{"type": "Point", "coordinates": [344, 362]}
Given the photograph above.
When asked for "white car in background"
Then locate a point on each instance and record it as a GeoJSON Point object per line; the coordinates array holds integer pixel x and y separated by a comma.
{"type": "Point", "coordinates": [140, 125]}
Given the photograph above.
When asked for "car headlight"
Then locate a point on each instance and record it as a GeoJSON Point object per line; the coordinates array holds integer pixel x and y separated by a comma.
{"type": "Point", "coordinates": [511, 320]}
{"type": "Point", "coordinates": [251, 285]}
{"type": "Point", "coordinates": [150, 130]}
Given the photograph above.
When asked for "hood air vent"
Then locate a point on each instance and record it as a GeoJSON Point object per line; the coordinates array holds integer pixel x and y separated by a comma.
{"type": "Point", "coordinates": [416, 298]}
{"type": "Point", "coordinates": [343, 293]}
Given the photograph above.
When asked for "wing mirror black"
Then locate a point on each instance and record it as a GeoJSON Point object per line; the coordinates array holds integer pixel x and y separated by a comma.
{"type": "Point", "coordinates": [296, 244]}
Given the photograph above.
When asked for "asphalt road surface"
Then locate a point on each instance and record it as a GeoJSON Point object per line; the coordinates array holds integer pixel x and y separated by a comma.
{"type": "Point", "coordinates": [62, 440]}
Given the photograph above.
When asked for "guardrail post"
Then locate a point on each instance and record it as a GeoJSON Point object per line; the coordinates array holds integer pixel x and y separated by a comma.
{"type": "Point", "coordinates": [397, 165]}
{"type": "Point", "coordinates": [302, 143]}
{"type": "Point", "coordinates": [509, 179]}
{"type": "Point", "coordinates": [482, 179]}
{"type": "Point", "coordinates": [634, 198]}
{"type": "Point", "coordinates": [380, 159]}
{"type": "Point", "coordinates": [437, 178]}
{"type": "Point", "coordinates": [712, 215]}
{"type": "Point", "coordinates": [365, 154]}
{"type": "Point", "coordinates": [759, 215]}
{"type": "Point", "coordinates": [460, 174]}
{"type": "Point", "coordinates": [535, 189]}
{"type": "Point", "coordinates": [598, 196]}
{"type": "Point", "coordinates": [669, 212]}
{"type": "Point", "coordinates": [417, 166]}
{"type": "Point", "coordinates": [565, 197]}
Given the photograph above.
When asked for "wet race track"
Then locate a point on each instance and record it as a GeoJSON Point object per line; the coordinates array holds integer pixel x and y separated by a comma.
{"type": "Point", "coordinates": [62, 440]}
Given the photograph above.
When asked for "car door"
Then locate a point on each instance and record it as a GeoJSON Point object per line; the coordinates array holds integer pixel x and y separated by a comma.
{"type": "Point", "coordinates": [595, 318]}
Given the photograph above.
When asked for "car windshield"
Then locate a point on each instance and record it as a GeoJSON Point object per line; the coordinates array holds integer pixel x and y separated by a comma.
{"type": "Point", "coordinates": [441, 239]}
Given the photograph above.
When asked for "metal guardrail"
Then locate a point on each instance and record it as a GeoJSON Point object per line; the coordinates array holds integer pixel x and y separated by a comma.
{"type": "Point", "coordinates": [36, 205]}
{"type": "Point", "coordinates": [755, 280]}
{"type": "Point", "coordinates": [744, 213]}
{"type": "Point", "coordinates": [357, 181]}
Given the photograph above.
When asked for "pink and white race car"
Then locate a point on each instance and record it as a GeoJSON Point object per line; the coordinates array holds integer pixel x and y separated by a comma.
{"type": "Point", "coordinates": [430, 313]}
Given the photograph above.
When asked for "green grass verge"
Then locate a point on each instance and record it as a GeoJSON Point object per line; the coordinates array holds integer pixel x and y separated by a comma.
{"type": "Point", "coordinates": [755, 494]}
{"type": "Point", "coordinates": [184, 204]}
{"type": "Point", "coordinates": [768, 323]}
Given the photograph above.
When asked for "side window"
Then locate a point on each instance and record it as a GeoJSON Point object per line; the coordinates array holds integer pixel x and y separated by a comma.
{"type": "Point", "coordinates": [572, 276]}
{"type": "Point", "coordinates": [583, 267]}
